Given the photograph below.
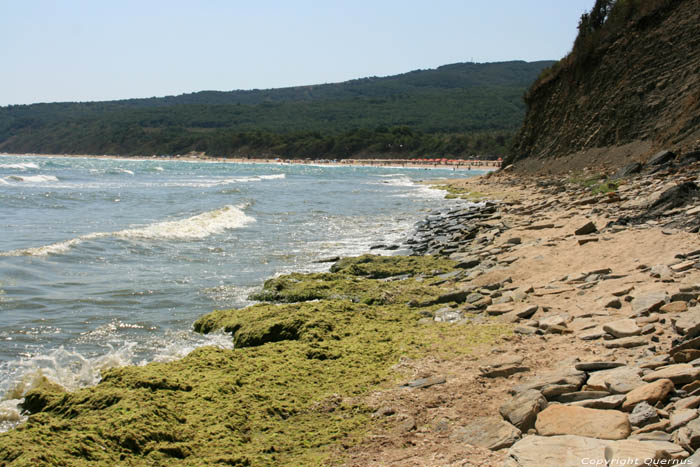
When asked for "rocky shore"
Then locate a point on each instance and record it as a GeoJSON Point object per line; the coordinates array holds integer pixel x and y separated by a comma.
{"type": "Point", "coordinates": [553, 323]}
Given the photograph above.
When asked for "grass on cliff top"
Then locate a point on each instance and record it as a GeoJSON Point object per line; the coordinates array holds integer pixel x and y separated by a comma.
{"type": "Point", "coordinates": [292, 388]}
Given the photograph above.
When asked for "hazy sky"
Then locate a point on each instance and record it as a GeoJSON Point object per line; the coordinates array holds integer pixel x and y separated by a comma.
{"type": "Point", "coordinates": [72, 50]}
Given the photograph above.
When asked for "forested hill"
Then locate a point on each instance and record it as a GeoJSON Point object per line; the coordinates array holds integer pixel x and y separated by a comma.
{"type": "Point", "coordinates": [454, 110]}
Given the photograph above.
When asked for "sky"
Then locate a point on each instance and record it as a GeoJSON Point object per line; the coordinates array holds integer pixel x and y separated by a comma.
{"type": "Point", "coordinates": [88, 50]}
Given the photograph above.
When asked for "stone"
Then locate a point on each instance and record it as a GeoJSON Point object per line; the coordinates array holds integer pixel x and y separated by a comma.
{"type": "Point", "coordinates": [680, 373]}
{"type": "Point", "coordinates": [692, 431]}
{"type": "Point", "coordinates": [618, 380]}
{"type": "Point", "coordinates": [522, 410]}
{"type": "Point", "coordinates": [596, 366]}
{"type": "Point", "coordinates": [684, 266]}
{"type": "Point", "coordinates": [687, 323]}
{"type": "Point", "coordinates": [502, 367]}
{"type": "Point", "coordinates": [584, 240]}
{"type": "Point", "coordinates": [406, 425]}
{"type": "Point", "coordinates": [586, 229]}
{"type": "Point", "coordinates": [593, 334]}
{"type": "Point", "coordinates": [643, 414]}
{"type": "Point", "coordinates": [384, 411]}
{"type": "Point", "coordinates": [623, 291]}
{"type": "Point", "coordinates": [652, 436]}
{"type": "Point", "coordinates": [556, 320]}
{"type": "Point", "coordinates": [674, 307]}
{"type": "Point", "coordinates": [425, 382]}
{"type": "Point", "coordinates": [500, 309]}
{"type": "Point", "coordinates": [552, 384]}
{"type": "Point", "coordinates": [658, 426]}
{"type": "Point", "coordinates": [661, 158]}
{"type": "Point", "coordinates": [649, 302]}
{"type": "Point", "coordinates": [610, 402]}
{"type": "Point", "coordinates": [569, 451]}
{"type": "Point", "coordinates": [448, 315]}
{"type": "Point", "coordinates": [691, 344]}
{"type": "Point", "coordinates": [680, 418]}
{"type": "Point", "coordinates": [580, 421]}
{"type": "Point", "coordinates": [526, 311]}
{"type": "Point", "coordinates": [650, 393]}
{"type": "Point", "coordinates": [580, 396]}
{"type": "Point", "coordinates": [622, 328]}
{"type": "Point", "coordinates": [691, 402]}
{"type": "Point", "coordinates": [540, 226]}
{"type": "Point", "coordinates": [626, 342]}
{"type": "Point", "coordinates": [490, 433]}
{"type": "Point", "coordinates": [526, 330]}
{"type": "Point", "coordinates": [614, 303]}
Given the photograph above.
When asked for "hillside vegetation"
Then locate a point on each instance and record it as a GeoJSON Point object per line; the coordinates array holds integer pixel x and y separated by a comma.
{"type": "Point", "coordinates": [456, 110]}
{"type": "Point", "coordinates": [631, 78]}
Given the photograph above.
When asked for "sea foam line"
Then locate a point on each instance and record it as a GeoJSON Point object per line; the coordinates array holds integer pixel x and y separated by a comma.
{"type": "Point", "coordinates": [191, 228]}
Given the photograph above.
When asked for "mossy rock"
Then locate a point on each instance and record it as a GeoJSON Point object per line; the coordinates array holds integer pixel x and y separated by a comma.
{"type": "Point", "coordinates": [263, 403]}
{"type": "Point", "coordinates": [377, 267]}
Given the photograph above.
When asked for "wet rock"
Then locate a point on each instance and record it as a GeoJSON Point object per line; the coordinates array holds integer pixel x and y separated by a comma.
{"type": "Point", "coordinates": [490, 433]}
{"type": "Point", "coordinates": [650, 393]}
{"type": "Point", "coordinates": [580, 421]}
{"type": "Point", "coordinates": [522, 410]}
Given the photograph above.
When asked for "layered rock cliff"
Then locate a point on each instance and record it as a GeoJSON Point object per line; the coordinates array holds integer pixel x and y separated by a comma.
{"type": "Point", "coordinates": [632, 78]}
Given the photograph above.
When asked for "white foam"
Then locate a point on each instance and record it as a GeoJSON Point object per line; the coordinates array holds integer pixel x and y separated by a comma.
{"type": "Point", "coordinates": [272, 177]}
{"type": "Point", "coordinates": [199, 226]}
{"type": "Point", "coordinates": [20, 166]}
{"type": "Point", "coordinates": [119, 170]}
{"type": "Point", "coordinates": [158, 169]}
{"type": "Point", "coordinates": [33, 178]}
{"type": "Point", "coordinates": [191, 228]}
{"type": "Point", "coordinates": [72, 370]}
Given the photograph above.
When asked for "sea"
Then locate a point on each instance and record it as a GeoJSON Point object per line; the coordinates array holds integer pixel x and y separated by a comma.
{"type": "Point", "coordinates": [108, 262]}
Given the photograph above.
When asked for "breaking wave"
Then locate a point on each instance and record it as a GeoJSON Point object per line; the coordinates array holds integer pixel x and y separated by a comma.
{"type": "Point", "coordinates": [32, 178]}
{"type": "Point", "coordinates": [191, 228]}
{"type": "Point", "coordinates": [20, 166]}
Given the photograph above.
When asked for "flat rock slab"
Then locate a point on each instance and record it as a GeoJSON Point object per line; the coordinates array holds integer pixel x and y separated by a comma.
{"type": "Point", "coordinates": [618, 380]}
{"type": "Point", "coordinates": [500, 309]}
{"type": "Point", "coordinates": [552, 384]}
{"type": "Point", "coordinates": [604, 403]}
{"type": "Point", "coordinates": [490, 433]}
{"type": "Point", "coordinates": [502, 367]}
{"type": "Point", "coordinates": [522, 410]}
{"type": "Point", "coordinates": [646, 303]}
{"type": "Point", "coordinates": [626, 342]}
{"type": "Point", "coordinates": [580, 396]}
{"type": "Point", "coordinates": [680, 373]}
{"type": "Point", "coordinates": [586, 229]}
{"type": "Point", "coordinates": [687, 323]}
{"type": "Point", "coordinates": [425, 382]}
{"type": "Point", "coordinates": [622, 328]}
{"type": "Point", "coordinates": [674, 307]}
{"type": "Point", "coordinates": [650, 393]}
{"type": "Point", "coordinates": [569, 451]}
{"type": "Point", "coordinates": [580, 421]}
{"type": "Point", "coordinates": [680, 418]}
{"type": "Point", "coordinates": [597, 366]}
{"type": "Point", "coordinates": [691, 344]}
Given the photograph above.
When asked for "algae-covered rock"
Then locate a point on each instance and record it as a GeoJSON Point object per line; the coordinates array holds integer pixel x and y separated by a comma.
{"type": "Point", "coordinates": [376, 267]}
{"type": "Point", "coordinates": [261, 403]}
{"type": "Point", "coordinates": [258, 404]}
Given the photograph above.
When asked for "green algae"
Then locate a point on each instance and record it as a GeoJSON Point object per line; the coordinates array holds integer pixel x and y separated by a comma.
{"type": "Point", "coordinates": [292, 387]}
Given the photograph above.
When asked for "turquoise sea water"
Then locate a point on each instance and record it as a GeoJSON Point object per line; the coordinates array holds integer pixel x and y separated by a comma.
{"type": "Point", "coordinates": [107, 262]}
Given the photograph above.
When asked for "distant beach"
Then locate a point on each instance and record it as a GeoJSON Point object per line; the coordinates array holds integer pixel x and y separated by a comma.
{"type": "Point", "coordinates": [455, 164]}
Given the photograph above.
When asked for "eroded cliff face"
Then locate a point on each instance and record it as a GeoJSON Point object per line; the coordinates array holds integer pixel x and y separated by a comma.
{"type": "Point", "coordinates": [639, 85]}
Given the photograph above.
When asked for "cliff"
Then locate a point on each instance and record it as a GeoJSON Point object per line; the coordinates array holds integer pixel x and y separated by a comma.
{"type": "Point", "coordinates": [631, 82]}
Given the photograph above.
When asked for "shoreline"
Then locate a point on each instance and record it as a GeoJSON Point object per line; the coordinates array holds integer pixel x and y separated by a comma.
{"type": "Point", "coordinates": [414, 359]}
{"type": "Point", "coordinates": [480, 166]}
